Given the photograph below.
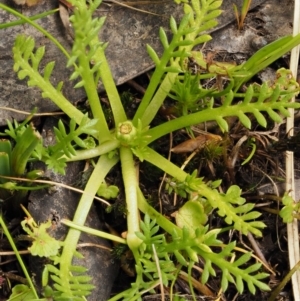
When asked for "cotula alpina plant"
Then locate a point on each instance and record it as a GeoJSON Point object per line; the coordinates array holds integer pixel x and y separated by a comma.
{"type": "Point", "coordinates": [130, 140]}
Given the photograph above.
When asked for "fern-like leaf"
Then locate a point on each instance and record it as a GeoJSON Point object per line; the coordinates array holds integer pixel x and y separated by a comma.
{"type": "Point", "coordinates": [79, 284]}
{"type": "Point", "coordinates": [26, 64]}
{"type": "Point", "coordinates": [66, 143]}
{"type": "Point", "coordinates": [188, 245]}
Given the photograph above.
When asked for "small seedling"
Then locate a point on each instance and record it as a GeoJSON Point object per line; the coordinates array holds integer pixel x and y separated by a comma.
{"type": "Point", "coordinates": [240, 17]}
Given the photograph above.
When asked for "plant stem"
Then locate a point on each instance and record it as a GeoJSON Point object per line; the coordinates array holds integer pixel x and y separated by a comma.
{"type": "Point", "coordinates": [165, 165]}
{"type": "Point", "coordinates": [160, 219]}
{"type": "Point", "coordinates": [93, 97]}
{"type": "Point", "coordinates": [131, 185]}
{"type": "Point", "coordinates": [102, 167]}
{"type": "Point", "coordinates": [39, 28]}
{"type": "Point", "coordinates": [158, 99]}
{"type": "Point", "coordinates": [284, 281]}
{"type": "Point", "coordinates": [24, 269]}
{"type": "Point", "coordinates": [93, 231]}
{"type": "Point", "coordinates": [210, 114]}
{"type": "Point", "coordinates": [182, 122]}
{"type": "Point", "coordinates": [101, 149]}
{"type": "Point", "coordinates": [35, 17]}
{"type": "Point", "coordinates": [110, 87]}
{"type": "Point", "coordinates": [48, 90]}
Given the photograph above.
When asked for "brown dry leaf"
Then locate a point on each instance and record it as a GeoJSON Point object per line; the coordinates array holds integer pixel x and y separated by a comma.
{"type": "Point", "coordinates": [197, 143]}
{"type": "Point", "coordinates": [64, 16]}
{"type": "Point", "coordinates": [66, 3]}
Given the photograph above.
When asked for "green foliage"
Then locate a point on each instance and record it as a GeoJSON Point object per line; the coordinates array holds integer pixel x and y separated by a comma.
{"type": "Point", "coordinates": [27, 138]}
{"type": "Point", "coordinates": [268, 97]}
{"type": "Point", "coordinates": [87, 138]}
{"type": "Point", "coordinates": [29, 145]}
{"type": "Point", "coordinates": [230, 205]}
{"type": "Point", "coordinates": [187, 187]}
{"type": "Point", "coordinates": [290, 208]}
{"type": "Point", "coordinates": [23, 53]}
{"type": "Point", "coordinates": [189, 94]}
{"type": "Point", "coordinates": [108, 192]}
{"type": "Point", "coordinates": [79, 283]}
{"type": "Point", "coordinates": [199, 17]}
{"type": "Point", "coordinates": [134, 137]}
{"type": "Point", "coordinates": [21, 292]}
{"type": "Point", "coordinates": [86, 31]}
{"type": "Point", "coordinates": [193, 243]}
{"type": "Point", "coordinates": [46, 246]}
{"type": "Point", "coordinates": [191, 215]}
{"type": "Point", "coordinates": [14, 160]}
{"type": "Point", "coordinates": [43, 244]}
{"type": "Point", "coordinates": [55, 156]}
{"type": "Point", "coordinates": [151, 258]}
{"type": "Point", "coordinates": [27, 65]}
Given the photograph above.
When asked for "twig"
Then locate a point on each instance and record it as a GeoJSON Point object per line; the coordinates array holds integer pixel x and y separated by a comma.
{"type": "Point", "coordinates": [30, 113]}
{"type": "Point", "coordinates": [136, 86]}
{"type": "Point", "coordinates": [159, 273]}
{"type": "Point", "coordinates": [129, 5]}
{"type": "Point", "coordinates": [284, 282]}
{"type": "Point", "coordinates": [56, 184]}
{"type": "Point", "coordinates": [256, 248]}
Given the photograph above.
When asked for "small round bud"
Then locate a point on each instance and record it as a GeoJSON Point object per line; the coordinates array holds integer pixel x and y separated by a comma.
{"type": "Point", "coordinates": [126, 132]}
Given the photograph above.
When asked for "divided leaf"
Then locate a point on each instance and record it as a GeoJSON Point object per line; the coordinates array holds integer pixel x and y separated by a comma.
{"type": "Point", "coordinates": [43, 244]}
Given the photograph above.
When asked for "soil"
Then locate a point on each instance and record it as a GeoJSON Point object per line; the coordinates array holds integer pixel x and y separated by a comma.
{"type": "Point", "coordinates": [266, 21]}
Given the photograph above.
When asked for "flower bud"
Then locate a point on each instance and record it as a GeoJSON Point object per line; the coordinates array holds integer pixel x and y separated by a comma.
{"type": "Point", "coordinates": [126, 132]}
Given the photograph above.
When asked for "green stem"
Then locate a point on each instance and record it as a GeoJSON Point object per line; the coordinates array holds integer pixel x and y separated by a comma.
{"type": "Point", "coordinates": [165, 165]}
{"type": "Point", "coordinates": [158, 99]}
{"type": "Point", "coordinates": [19, 258]}
{"type": "Point", "coordinates": [110, 88]}
{"type": "Point", "coordinates": [160, 219]}
{"type": "Point", "coordinates": [93, 231]}
{"type": "Point", "coordinates": [49, 91]}
{"type": "Point", "coordinates": [102, 167]}
{"type": "Point", "coordinates": [131, 184]}
{"type": "Point", "coordinates": [147, 111]}
{"type": "Point", "coordinates": [35, 17]}
{"type": "Point", "coordinates": [92, 95]}
{"type": "Point", "coordinates": [182, 122]}
{"type": "Point", "coordinates": [39, 28]}
{"type": "Point", "coordinates": [284, 281]}
{"type": "Point", "coordinates": [159, 96]}
{"type": "Point", "coordinates": [210, 114]}
{"type": "Point", "coordinates": [156, 78]}
{"type": "Point", "coordinates": [102, 149]}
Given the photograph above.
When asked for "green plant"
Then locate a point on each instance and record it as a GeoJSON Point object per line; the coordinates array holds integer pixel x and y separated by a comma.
{"type": "Point", "coordinates": [244, 10]}
{"type": "Point", "coordinates": [132, 138]}
{"type": "Point", "coordinates": [14, 160]}
{"type": "Point", "coordinates": [23, 290]}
